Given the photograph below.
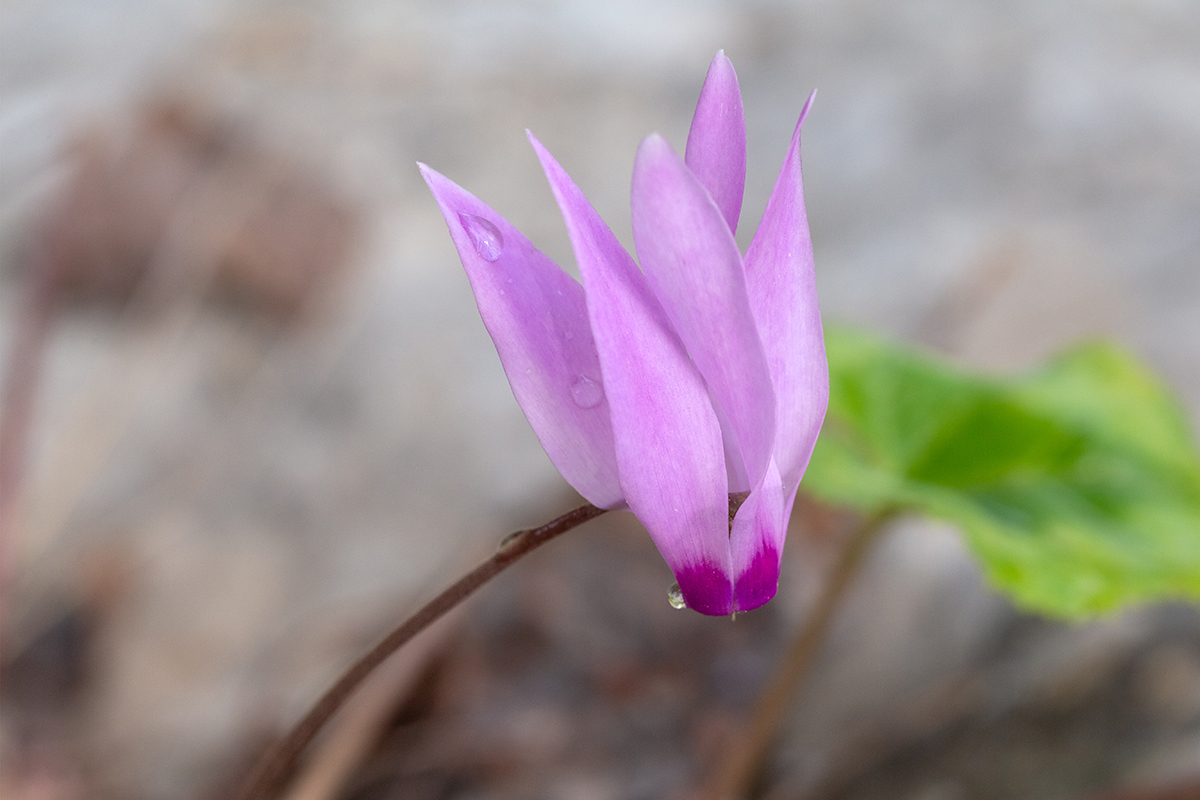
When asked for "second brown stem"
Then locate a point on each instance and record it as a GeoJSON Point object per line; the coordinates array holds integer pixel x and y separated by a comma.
{"type": "Point", "coordinates": [737, 772]}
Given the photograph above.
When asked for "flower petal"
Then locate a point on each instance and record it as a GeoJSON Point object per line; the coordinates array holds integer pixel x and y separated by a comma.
{"type": "Point", "coordinates": [693, 265]}
{"type": "Point", "coordinates": [756, 540]}
{"type": "Point", "coordinates": [667, 437]}
{"type": "Point", "coordinates": [783, 293]}
{"type": "Point", "coordinates": [537, 317]}
{"type": "Point", "coordinates": [716, 143]}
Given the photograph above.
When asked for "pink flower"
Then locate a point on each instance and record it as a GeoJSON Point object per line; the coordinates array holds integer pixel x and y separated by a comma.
{"type": "Point", "coordinates": [667, 388]}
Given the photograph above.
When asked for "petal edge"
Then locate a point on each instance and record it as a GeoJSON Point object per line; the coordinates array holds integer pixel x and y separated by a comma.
{"type": "Point", "coordinates": [781, 280]}
{"type": "Point", "coordinates": [716, 143]}
{"type": "Point", "coordinates": [537, 317]}
{"type": "Point", "coordinates": [667, 438]}
{"type": "Point", "coordinates": [695, 270]}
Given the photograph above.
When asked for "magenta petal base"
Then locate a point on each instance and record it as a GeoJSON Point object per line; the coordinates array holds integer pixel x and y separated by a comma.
{"type": "Point", "coordinates": [706, 588]}
{"type": "Point", "coordinates": [758, 584]}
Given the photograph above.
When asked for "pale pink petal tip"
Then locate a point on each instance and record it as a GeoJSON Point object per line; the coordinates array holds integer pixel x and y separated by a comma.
{"type": "Point", "coordinates": [716, 143]}
{"type": "Point", "coordinates": [807, 107]}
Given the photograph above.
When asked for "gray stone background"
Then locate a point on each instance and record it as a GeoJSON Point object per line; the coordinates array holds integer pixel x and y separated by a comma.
{"type": "Point", "coordinates": [996, 179]}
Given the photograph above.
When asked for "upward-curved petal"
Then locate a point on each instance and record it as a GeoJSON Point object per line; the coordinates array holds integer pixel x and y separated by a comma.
{"type": "Point", "coordinates": [783, 294]}
{"type": "Point", "coordinates": [716, 143]}
{"type": "Point", "coordinates": [693, 265]}
{"type": "Point", "coordinates": [668, 440]}
{"type": "Point", "coordinates": [537, 317]}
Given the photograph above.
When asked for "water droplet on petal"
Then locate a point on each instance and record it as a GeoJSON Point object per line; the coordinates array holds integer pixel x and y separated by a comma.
{"type": "Point", "coordinates": [586, 392]}
{"type": "Point", "coordinates": [675, 596]}
{"type": "Point", "coordinates": [485, 236]}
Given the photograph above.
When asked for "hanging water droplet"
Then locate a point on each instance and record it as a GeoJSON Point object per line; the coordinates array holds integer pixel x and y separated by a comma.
{"type": "Point", "coordinates": [675, 596]}
{"type": "Point", "coordinates": [586, 392]}
{"type": "Point", "coordinates": [485, 236]}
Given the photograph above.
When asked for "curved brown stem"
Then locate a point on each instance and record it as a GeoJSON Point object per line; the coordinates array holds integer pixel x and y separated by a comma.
{"type": "Point", "coordinates": [277, 762]}
{"type": "Point", "coordinates": [737, 771]}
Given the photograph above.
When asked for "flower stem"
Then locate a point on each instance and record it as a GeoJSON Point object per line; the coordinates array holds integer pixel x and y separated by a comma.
{"type": "Point", "coordinates": [278, 761]}
{"type": "Point", "coordinates": [736, 773]}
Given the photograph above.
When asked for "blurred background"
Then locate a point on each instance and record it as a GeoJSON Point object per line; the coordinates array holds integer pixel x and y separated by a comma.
{"type": "Point", "coordinates": [255, 417]}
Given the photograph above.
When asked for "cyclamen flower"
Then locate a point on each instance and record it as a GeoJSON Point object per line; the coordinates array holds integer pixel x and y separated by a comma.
{"type": "Point", "coordinates": [667, 388]}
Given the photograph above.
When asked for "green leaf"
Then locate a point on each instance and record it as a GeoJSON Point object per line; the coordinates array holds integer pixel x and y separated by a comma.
{"type": "Point", "coordinates": [1076, 486]}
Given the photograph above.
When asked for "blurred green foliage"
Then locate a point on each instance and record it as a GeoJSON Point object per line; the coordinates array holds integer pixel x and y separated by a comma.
{"type": "Point", "coordinates": [1077, 486]}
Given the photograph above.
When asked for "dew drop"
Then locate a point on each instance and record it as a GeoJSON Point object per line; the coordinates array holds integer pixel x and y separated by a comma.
{"type": "Point", "coordinates": [675, 596]}
{"type": "Point", "coordinates": [586, 392]}
{"type": "Point", "coordinates": [484, 236]}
